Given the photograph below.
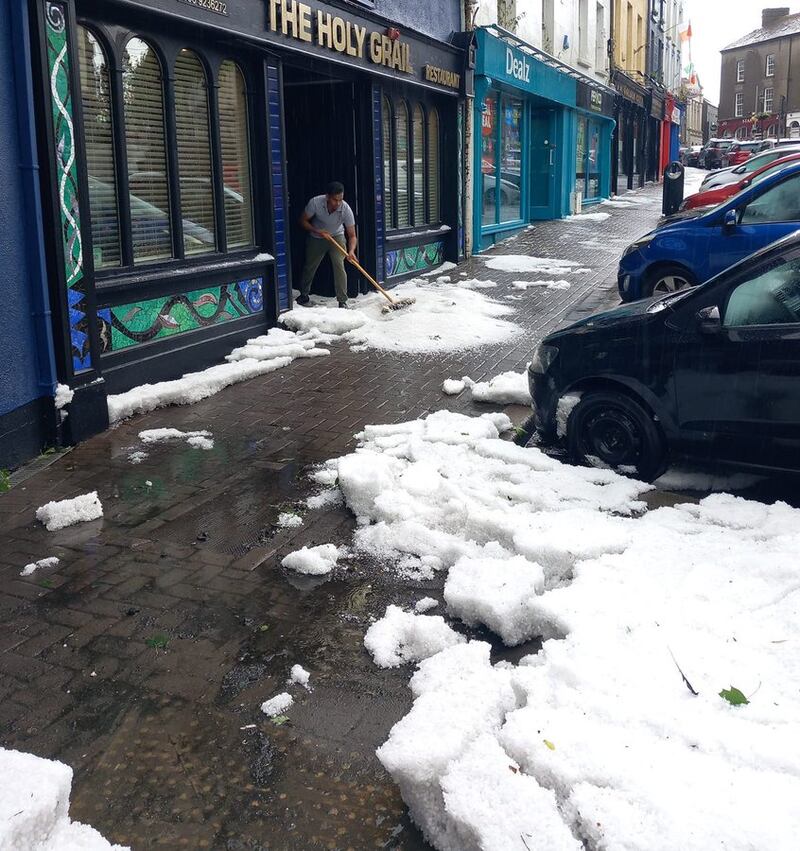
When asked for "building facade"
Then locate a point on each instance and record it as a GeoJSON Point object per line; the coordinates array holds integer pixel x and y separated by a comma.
{"type": "Point", "coordinates": [178, 142]}
{"type": "Point", "coordinates": [710, 120]}
{"type": "Point", "coordinates": [692, 127]}
{"type": "Point", "coordinates": [759, 83]}
{"type": "Point", "coordinates": [542, 131]}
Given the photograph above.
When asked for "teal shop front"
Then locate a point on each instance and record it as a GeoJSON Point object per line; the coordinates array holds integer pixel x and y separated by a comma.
{"type": "Point", "coordinates": [545, 135]}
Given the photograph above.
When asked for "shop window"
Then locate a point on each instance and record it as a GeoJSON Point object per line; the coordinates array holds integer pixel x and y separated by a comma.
{"type": "Point", "coordinates": [235, 150]}
{"type": "Point", "coordinates": [509, 192]}
{"type": "Point", "coordinates": [145, 139]}
{"type": "Point", "coordinates": [411, 169]}
{"type": "Point", "coordinates": [401, 156]}
{"type": "Point", "coordinates": [488, 159]}
{"type": "Point", "coordinates": [194, 154]}
{"type": "Point", "coordinates": [99, 147]}
{"type": "Point", "coordinates": [501, 159]}
{"type": "Point", "coordinates": [418, 164]}
{"type": "Point", "coordinates": [388, 194]}
{"type": "Point", "coordinates": [433, 166]}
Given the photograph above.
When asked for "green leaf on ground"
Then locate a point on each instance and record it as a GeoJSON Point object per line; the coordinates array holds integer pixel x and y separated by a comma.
{"type": "Point", "coordinates": [5, 481]}
{"type": "Point", "coordinates": [549, 744]}
{"type": "Point", "coordinates": [264, 627]}
{"type": "Point", "coordinates": [734, 696]}
{"type": "Point", "coordinates": [158, 641]}
{"type": "Point", "coordinates": [46, 583]}
{"type": "Point", "coordinates": [280, 720]}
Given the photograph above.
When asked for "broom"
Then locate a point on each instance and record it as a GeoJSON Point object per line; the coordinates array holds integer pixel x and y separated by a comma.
{"type": "Point", "coordinates": [394, 303]}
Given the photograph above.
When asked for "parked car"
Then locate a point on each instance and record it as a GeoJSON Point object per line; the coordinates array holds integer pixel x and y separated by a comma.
{"type": "Point", "coordinates": [712, 197]}
{"type": "Point", "coordinates": [713, 372]}
{"type": "Point", "coordinates": [731, 175]}
{"type": "Point", "coordinates": [715, 148]}
{"type": "Point", "coordinates": [693, 156]}
{"type": "Point", "coordinates": [693, 246]}
{"type": "Point", "coordinates": [738, 153]}
{"type": "Point", "coordinates": [771, 142]}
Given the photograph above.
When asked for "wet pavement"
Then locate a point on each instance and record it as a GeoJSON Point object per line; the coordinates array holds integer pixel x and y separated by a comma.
{"type": "Point", "coordinates": [143, 658]}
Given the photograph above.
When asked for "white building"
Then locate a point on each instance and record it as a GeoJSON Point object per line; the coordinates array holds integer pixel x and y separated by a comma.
{"type": "Point", "coordinates": [574, 31]}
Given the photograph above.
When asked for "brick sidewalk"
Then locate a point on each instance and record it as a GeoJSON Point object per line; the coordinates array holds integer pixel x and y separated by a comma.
{"type": "Point", "coordinates": [168, 744]}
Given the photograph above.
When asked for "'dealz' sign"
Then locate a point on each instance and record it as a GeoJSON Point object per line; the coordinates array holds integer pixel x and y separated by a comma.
{"type": "Point", "coordinates": [315, 26]}
{"type": "Point", "coordinates": [519, 69]}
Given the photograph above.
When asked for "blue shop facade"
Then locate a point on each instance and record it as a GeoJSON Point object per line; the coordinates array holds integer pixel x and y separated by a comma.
{"type": "Point", "coordinates": [542, 137]}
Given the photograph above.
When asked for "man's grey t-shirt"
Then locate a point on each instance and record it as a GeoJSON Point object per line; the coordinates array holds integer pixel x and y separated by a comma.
{"type": "Point", "coordinates": [335, 222]}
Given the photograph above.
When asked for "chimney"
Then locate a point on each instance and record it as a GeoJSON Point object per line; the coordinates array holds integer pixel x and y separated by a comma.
{"type": "Point", "coordinates": [769, 16]}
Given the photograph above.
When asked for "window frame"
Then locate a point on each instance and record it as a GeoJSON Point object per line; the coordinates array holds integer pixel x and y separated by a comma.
{"type": "Point", "coordinates": [769, 68]}
{"type": "Point", "coordinates": [740, 70]}
{"type": "Point", "coordinates": [771, 99]}
{"type": "Point", "coordinates": [113, 42]}
{"type": "Point", "coordinates": [738, 105]}
{"type": "Point", "coordinates": [410, 103]}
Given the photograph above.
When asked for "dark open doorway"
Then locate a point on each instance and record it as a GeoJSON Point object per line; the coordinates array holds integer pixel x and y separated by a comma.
{"type": "Point", "coordinates": [321, 146]}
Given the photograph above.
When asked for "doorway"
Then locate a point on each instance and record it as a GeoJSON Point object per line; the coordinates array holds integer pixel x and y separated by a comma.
{"type": "Point", "coordinates": [321, 146]}
{"type": "Point", "coordinates": [543, 158]}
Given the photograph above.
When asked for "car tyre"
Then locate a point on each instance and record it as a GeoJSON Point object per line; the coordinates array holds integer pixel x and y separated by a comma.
{"type": "Point", "coordinates": [616, 430]}
{"type": "Point", "coordinates": [665, 280]}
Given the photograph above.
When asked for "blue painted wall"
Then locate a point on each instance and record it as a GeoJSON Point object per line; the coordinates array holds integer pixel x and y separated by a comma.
{"type": "Point", "coordinates": [438, 19]}
{"type": "Point", "coordinates": [20, 368]}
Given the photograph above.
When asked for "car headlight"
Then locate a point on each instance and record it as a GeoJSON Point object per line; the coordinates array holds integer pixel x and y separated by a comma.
{"type": "Point", "coordinates": [640, 243]}
{"type": "Point", "coordinates": [543, 358]}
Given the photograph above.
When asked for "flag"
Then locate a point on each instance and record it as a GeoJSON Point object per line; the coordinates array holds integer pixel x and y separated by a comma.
{"type": "Point", "coordinates": [685, 33]}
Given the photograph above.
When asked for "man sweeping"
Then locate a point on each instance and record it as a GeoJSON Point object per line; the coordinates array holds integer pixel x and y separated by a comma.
{"type": "Point", "coordinates": [323, 215]}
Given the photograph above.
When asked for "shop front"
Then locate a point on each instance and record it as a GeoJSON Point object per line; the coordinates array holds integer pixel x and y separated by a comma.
{"type": "Point", "coordinates": [593, 131]}
{"type": "Point", "coordinates": [183, 139]}
{"type": "Point", "coordinates": [632, 112]}
{"type": "Point", "coordinates": [653, 169]}
{"type": "Point", "coordinates": [538, 145]}
{"type": "Point", "coordinates": [670, 131]}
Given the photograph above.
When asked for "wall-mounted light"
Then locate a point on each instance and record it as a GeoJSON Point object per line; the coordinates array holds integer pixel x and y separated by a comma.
{"type": "Point", "coordinates": [565, 43]}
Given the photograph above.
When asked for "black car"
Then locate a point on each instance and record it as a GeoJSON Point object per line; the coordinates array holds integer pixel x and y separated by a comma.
{"type": "Point", "coordinates": [712, 372]}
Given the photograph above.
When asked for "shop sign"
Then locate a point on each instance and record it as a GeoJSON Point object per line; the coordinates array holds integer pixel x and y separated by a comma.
{"type": "Point", "coordinates": [517, 67]}
{"type": "Point", "coordinates": [593, 100]}
{"type": "Point", "coordinates": [657, 108]}
{"type": "Point", "coordinates": [302, 22]}
{"type": "Point", "coordinates": [676, 115]}
{"type": "Point", "coordinates": [449, 79]}
{"type": "Point", "coordinates": [629, 93]}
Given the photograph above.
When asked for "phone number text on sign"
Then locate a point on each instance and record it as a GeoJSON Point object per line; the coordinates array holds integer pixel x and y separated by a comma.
{"type": "Point", "coordinates": [216, 6]}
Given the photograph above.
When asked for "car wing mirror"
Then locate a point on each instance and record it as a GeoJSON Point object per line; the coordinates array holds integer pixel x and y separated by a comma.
{"type": "Point", "coordinates": [709, 320]}
{"type": "Point", "coordinates": [730, 220]}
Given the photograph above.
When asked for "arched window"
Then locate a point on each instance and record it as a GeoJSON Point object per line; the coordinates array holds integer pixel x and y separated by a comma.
{"type": "Point", "coordinates": [388, 194]}
{"type": "Point", "coordinates": [401, 156]}
{"type": "Point", "coordinates": [418, 163]}
{"type": "Point", "coordinates": [99, 147]}
{"type": "Point", "coordinates": [194, 154]}
{"type": "Point", "coordinates": [235, 144]}
{"type": "Point", "coordinates": [434, 213]}
{"type": "Point", "coordinates": [147, 159]}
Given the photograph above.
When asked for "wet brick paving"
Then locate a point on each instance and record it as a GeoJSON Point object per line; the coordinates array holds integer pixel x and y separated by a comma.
{"type": "Point", "coordinates": [143, 658]}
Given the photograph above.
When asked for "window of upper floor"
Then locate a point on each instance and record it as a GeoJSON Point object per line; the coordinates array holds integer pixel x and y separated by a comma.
{"type": "Point", "coordinates": [770, 66]}
{"type": "Point", "coordinates": [740, 70]}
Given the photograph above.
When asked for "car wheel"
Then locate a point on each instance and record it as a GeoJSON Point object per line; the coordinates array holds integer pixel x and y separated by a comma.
{"type": "Point", "coordinates": [618, 432]}
{"type": "Point", "coordinates": [666, 280]}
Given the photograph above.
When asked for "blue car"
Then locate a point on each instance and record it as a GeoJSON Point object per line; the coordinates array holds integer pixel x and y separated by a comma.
{"type": "Point", "coordinates": [692, 247]}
